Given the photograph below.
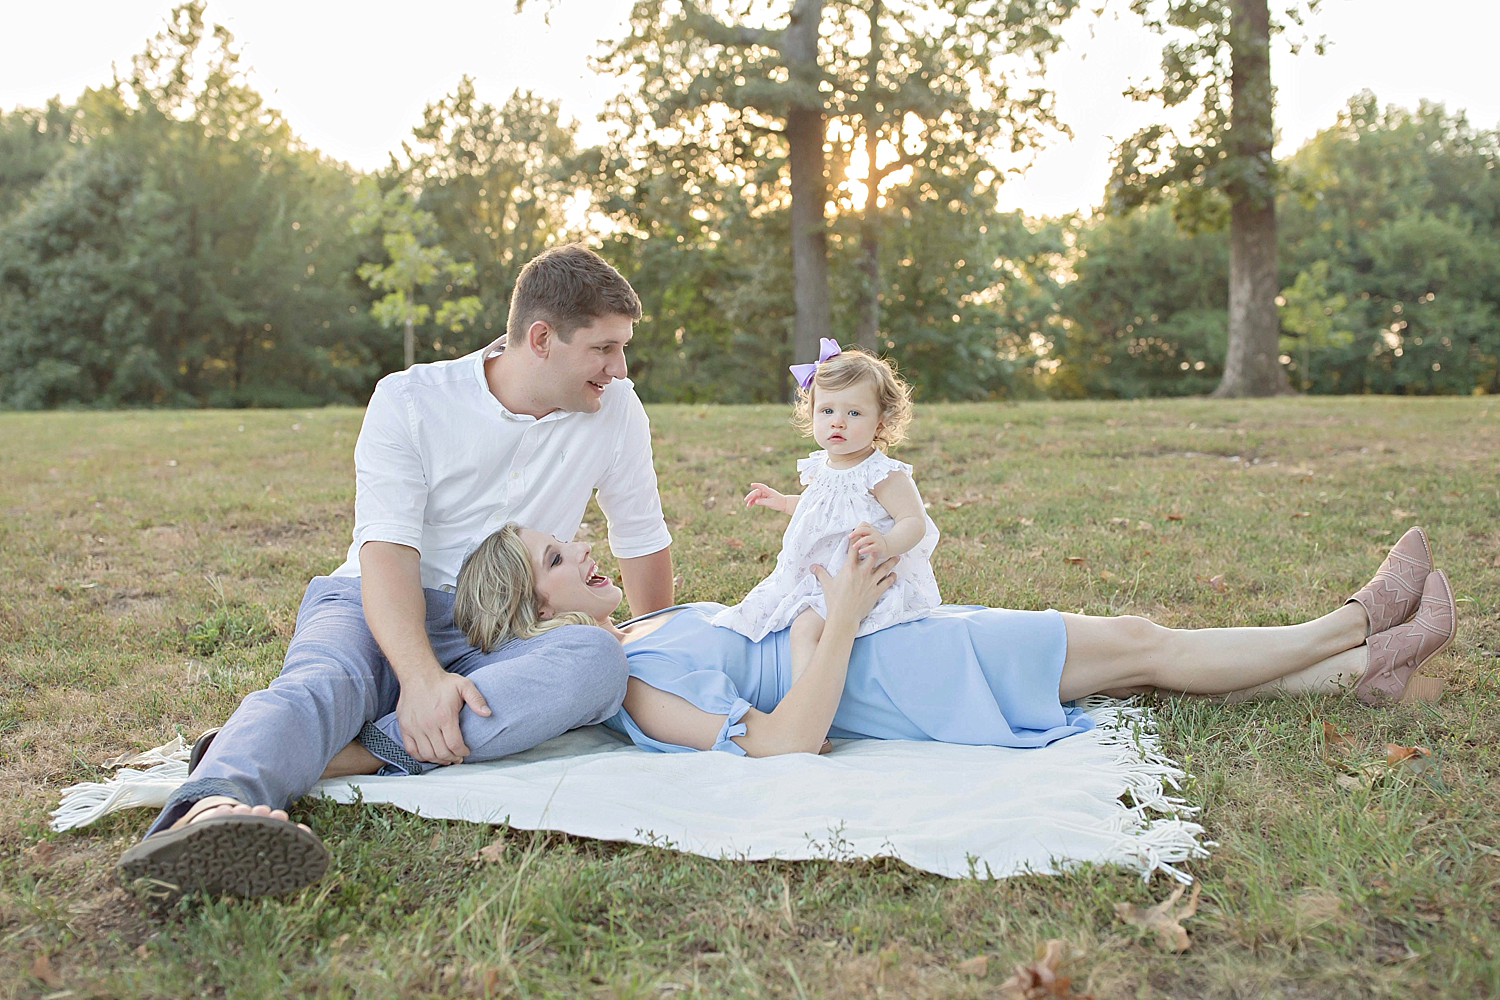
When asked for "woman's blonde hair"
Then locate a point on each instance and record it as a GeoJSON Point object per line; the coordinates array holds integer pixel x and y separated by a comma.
{"type": "Point", "coordinates": [852, 366]}
{"type": "Point", "coordinates": [496, 599]}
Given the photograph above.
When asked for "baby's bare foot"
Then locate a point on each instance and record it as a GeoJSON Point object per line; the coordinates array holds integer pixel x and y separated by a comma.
{"type": "Point", "coordinates": [222, 805]}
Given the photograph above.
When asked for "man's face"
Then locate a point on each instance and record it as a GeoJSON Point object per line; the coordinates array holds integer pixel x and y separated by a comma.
{"type": "Point", "coordinates": [577, 373]}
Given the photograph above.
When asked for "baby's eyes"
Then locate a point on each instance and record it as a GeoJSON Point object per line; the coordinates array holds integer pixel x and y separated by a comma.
{"type": "Point", "coordinates": [556, 560]}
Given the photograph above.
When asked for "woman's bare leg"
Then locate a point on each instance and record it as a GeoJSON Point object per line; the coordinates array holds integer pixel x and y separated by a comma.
{"type": "Point", "coordinates": [1106, 654]}
{"type": "Point", "coordinates": [353, 759]}
{"type": "Point", "coordinates": [1334, 675]}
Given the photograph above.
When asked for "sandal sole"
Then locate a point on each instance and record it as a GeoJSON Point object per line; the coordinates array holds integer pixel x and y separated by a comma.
{"type": "Point", "coordinates": [230, 855]}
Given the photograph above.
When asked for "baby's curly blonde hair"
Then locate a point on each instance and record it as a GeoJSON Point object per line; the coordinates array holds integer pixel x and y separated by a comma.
{"type": "Point", "coordinates": [850, 367]}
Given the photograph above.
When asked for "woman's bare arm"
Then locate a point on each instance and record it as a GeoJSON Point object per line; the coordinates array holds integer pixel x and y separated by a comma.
{"type": "Point", "coordinates": [800, 723]}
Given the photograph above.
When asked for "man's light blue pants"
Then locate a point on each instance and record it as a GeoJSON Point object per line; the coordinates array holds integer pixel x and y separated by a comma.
{"type": "Point", "coordinates": [335, 685]}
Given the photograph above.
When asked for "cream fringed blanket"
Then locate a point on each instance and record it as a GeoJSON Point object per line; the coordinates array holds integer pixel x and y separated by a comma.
{"type": "Point", "coordinates": [1101, 796]}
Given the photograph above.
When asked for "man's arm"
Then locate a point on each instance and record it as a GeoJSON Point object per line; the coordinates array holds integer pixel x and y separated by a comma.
{"type": "Point", "coordinates": [396, 612]}
{"type": "Point", "coordinates": [648, 581]}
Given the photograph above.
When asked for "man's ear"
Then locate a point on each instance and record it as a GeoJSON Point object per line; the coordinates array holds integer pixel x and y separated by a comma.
{"type": "Point", "coordinates": [539, 338]}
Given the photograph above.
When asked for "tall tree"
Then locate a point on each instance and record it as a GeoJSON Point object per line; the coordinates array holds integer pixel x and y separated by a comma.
{"type": "Point", "coordinates": [1220, 50]}
{"type": "Point", "coordinates": [498, 181]}
{"type": "Point", "coordinates": [414, 261]}
{"type": "Point", "coordinates": [747, 77]}
{"type": "Point", "coordinates": [189, 251]}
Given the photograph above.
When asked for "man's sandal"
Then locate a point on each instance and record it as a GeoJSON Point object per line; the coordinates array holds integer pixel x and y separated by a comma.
{"type": "Point", "coordinates": [1393, 594]}
{"type": "Point", "coordinates": [200, 747]}
{"type": "Point", "coordinates": [235, 855]}
{"type": "Point", "coordinates": [1397, 652]}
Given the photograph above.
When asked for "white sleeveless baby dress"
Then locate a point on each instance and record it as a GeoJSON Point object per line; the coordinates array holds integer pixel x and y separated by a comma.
{"type": "Point", "coordinates": [834, 504]}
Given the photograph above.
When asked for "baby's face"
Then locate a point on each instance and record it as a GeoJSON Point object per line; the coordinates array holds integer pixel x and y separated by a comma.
{"type": "Point", "coordinates": [845, 421]}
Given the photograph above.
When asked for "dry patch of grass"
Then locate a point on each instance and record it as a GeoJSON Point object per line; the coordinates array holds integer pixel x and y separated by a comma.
{"type": "Point", "coordinates": [151, 565]}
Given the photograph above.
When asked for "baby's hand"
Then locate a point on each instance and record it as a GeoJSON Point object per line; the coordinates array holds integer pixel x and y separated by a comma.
{"type": "Point", "coordinates": [761, 495]}
{"type": "Point", "coordinates": [866, 541]}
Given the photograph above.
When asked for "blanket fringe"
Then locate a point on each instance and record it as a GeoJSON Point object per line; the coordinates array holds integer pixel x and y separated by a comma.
{"type": "Point", "coordinates": [1153, 831]}
{"type": "Point", "coordinates": [88, 801]}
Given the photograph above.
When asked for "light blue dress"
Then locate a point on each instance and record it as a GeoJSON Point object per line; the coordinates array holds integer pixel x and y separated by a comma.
{"type": "Point", "coordinates": [981, 676]}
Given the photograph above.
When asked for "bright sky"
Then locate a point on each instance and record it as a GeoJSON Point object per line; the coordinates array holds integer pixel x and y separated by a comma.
{"type": "Point", "coordinates": [353, 77]}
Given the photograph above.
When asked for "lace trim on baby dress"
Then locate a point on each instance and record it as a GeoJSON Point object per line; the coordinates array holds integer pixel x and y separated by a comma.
{"type": "Point", "coordinates": [865, 476]}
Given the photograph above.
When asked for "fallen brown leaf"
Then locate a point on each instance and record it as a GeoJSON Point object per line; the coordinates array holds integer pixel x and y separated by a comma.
{"type": "Point", "coordinates": [42, 853]}
{"type": "Point", "coordinates": [1402, 515]}
{"type": "Point", "coordinates": [1107, 576]}
{"type": "Point", "coordinates": [492, 853]}
{"type": "Point", "coordinates": [1039, 979]}
{"type": "Point", "coordinates": [1301, 513]}
{"type": "Point", "coordinates": [1165, 918]}
{"type": "Point", "coordinates": [1074, 560]}
{"type": "Point", "coordinates": [1335, 740]}
{"type": "Point", "coordinates": [978, 966]}
{"type": "Point", "coordinates": [1348, 781]}
{"type": "Point", "coordinates": [1174, 516]}
{"type": "Point", "coordinates": [1395, 753]}
{"type": "Point", "coordinates": [41, 967]}
{"type": "Point", "coordinates": [735, 543]}
{"type": "Point", "coordinates": [1215, 583]}
{"type": "Point", "coordinates": [1025, 522]}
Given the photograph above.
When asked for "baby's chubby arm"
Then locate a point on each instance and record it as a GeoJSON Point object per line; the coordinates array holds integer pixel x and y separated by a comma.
{"type": "Point", "coordinates": [761, 495]}
{"type": "Point", "coordinates": [899, 496]}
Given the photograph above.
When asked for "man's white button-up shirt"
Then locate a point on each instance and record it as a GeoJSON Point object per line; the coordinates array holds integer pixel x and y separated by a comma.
{"type": "Point", "coordinates": [440, 464]}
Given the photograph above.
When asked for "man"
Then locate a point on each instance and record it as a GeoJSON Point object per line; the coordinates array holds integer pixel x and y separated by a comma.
{"type": "Point", "coordinates": [526, 429]}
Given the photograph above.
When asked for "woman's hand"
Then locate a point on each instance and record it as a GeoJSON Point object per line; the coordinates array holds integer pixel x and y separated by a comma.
{"type": "Point", "coordinates": [853, 592]}
{"type": "Point", "coordinates": [761, 495]}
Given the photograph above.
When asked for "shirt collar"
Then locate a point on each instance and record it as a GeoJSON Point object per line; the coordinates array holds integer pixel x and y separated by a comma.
{"type": "Point", "coordinates": [495, 349]}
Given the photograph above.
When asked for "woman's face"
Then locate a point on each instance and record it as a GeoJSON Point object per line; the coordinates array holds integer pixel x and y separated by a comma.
{"type": "Point", "coordinates": [567, 578]}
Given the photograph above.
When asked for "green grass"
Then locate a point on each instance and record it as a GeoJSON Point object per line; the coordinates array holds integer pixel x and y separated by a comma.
{"type": "Point", "coordinates": [151, 565]}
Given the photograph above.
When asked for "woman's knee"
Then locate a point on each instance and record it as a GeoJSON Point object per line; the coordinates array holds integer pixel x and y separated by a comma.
{"type": "Point", "coordinates": [1140, 636]}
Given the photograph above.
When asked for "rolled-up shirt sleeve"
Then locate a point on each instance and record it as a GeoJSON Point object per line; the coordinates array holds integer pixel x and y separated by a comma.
{"type": "Point", "coordinates": [390, 482]}
{"type": "Point", "coordinates": [627, 493]}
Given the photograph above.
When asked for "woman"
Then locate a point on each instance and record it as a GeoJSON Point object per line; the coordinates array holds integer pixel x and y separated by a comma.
{"type": "Point", "coordinates": [965, 675]}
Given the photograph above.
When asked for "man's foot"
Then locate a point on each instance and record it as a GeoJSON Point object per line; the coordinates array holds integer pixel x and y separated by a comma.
{"type": "Point", "coordinates": [224, 847]}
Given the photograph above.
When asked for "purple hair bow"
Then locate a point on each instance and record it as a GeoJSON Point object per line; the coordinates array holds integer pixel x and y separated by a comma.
{"type": "Point", "coordinates": [828, 347]}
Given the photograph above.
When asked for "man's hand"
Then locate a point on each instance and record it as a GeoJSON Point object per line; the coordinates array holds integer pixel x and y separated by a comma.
{"type": "Point", "coordinates": [866, 541]}
{"type": "Point", "coordinates": [761, 495]}
{"type": "Point", "coordinates": [428, 713]}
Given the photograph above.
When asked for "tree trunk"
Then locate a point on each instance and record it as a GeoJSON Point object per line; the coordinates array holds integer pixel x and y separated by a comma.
{"type": "Point", "coordinates": [867, 333]}
{"type": "Point", "coordinates": [1251, 365]}
{"type": "Point", "coordinates": [805, 132]}
{"type": "Point", "coordinates": [410, 343]}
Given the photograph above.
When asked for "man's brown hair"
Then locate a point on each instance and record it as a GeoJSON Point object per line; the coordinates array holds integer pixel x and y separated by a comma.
{"type": "Point", "coordinates": [569, 287]}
